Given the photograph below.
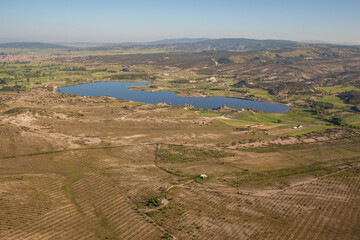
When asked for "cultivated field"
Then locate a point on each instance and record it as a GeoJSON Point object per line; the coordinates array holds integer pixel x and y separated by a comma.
{"type": "Point", "coordinates": [76, 167]}
{"type": "Point", "coordinates": [88, 168]}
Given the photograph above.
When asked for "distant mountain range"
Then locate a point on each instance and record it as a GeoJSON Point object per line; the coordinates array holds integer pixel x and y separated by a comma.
{"type": "Point", "coordinates": [181, 44]}
{"type": "Point", "coordinates": [225, 44]}
{"type": "Point", "coordinates": [166, 41]}
{"type": "Point", "coordinates": [323, 42]}
{"type": "Point", "coordinates": [232, 44]}
{"type": "Point", "coordinates": [158, 42]}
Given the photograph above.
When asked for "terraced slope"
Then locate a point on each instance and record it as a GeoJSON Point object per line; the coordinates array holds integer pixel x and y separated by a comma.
{"type": "Point", "coordinates": [110, 170]}
{"type": "Point", "coordinates": [323, 208]}
{"type": "Point", "coordinates": [64, 196]}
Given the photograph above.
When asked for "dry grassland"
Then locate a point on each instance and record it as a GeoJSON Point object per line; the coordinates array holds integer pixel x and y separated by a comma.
{"type": "Point", "coordinates": [94, 168]}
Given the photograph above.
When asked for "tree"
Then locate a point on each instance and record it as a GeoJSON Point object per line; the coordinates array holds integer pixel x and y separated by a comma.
{"type": "Point", "coordinates": [337, 121]}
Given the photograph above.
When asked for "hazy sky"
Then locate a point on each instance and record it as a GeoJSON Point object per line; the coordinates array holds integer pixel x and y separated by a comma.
{"type": "Point", "coordinates": [145, 20]}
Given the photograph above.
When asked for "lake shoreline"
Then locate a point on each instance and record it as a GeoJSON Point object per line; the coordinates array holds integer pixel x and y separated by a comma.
{"type": "Point", "coordinates": [125, 90]}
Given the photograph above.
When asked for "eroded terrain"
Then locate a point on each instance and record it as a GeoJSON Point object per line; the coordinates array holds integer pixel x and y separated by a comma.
{"type": "Point", "coordinates": [101, 168]}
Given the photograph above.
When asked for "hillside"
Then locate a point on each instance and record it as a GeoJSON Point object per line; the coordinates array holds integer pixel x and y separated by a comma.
{"type": "Point", "coordinates": [165, 42]}
{"type": "Point", "coordinates": [199, 45]}
{"type": "Point", "coordinates": [173, 45]}
{"type": "Point", "coordinates": [83, 167]}
{"type": "Point", "coordinates": [177, 45]}
{"type": "Point", "coordinates": [34, 45]}
{"type": "Point", "coordinates": [233, 44]}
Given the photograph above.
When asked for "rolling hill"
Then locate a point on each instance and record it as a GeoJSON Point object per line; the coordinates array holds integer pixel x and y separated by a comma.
{"type": "Point", "coordinates": [233, 44]}
{"type": "Point", "coordinates": [199, 45]}
{"type": "Point", "coordinates": [32, 45]}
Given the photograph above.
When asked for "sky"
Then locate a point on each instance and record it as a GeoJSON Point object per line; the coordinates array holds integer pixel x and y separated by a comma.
{"type": "Point", "coordinates": [148, 20]}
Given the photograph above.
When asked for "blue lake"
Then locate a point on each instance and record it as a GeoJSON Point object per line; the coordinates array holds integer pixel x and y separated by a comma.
{"type": "Point", "coordinates": [121, 90]}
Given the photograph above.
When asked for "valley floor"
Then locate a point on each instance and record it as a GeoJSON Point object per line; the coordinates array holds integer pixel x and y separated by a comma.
{"type": "Point", "coordinates": [101, 168]}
